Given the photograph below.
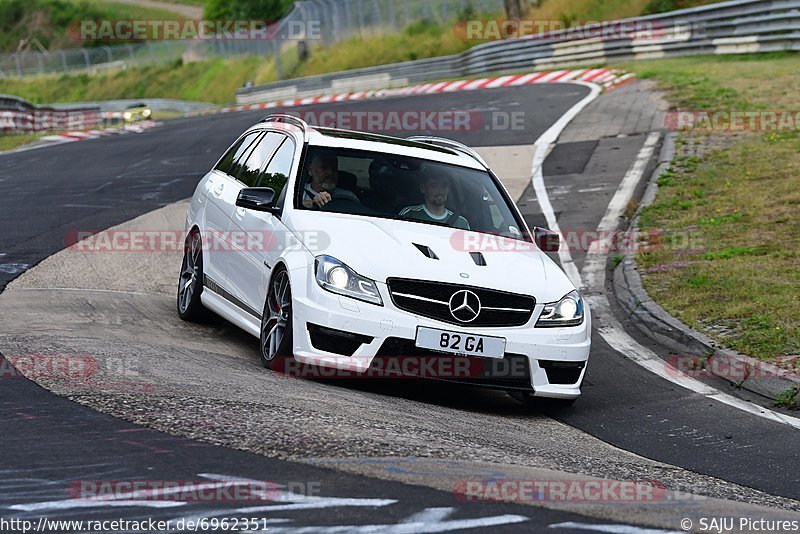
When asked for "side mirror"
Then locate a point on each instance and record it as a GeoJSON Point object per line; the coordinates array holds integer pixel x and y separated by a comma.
{"type": "Point", "coordinates": [546, 240]}
{"type": "Point", "coordinates": [256, 199]}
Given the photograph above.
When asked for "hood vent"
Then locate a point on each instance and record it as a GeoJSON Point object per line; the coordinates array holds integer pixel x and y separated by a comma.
{"type": "Point", "coordinates": [478, 258]}
{"type": "Point", "coordinates": [426, 250]}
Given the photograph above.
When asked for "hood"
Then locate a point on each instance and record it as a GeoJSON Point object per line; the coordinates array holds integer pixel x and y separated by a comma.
{"type": "Point", "coordinates": [385, 248]}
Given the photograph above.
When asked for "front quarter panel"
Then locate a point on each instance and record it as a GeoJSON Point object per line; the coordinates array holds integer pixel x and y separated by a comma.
{"type": "Point", "coordinates": [196, 209]}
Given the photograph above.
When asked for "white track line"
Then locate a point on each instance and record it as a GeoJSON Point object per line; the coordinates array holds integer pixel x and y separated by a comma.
{"type": "Point", "coordinates": [594, 268]}
{"type": "Point", "coordinates": [540, 151]}
{"type": "Point", "coordinates": [613, 529]}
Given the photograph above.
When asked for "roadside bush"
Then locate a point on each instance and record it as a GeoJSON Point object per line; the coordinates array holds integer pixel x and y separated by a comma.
{"type": "Point", "coordinates": [247, 9]}
{"type": "Point", "coordinates": [45, 20]}
{"type": "Point", "coordinates": [662, 6]}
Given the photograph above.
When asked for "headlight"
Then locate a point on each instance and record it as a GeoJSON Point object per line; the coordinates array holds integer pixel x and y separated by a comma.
{"type": "Point", "coordinates": [146, 113]}
{"type": "Point", "coordinates": [566, 312]}
{"type": "Point", "coordinates": [127, 115]}
{"type": "Point", "coordinates": [337, 277]}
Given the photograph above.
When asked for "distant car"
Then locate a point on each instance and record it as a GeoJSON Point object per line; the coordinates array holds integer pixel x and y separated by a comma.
{"type": "Point", "coordinates": [137, 112]}
{"type": "Point", "coordinates": [361, 261]}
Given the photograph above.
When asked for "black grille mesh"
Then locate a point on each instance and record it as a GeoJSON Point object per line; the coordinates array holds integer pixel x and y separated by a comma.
{"type": "Point", "coordinates": [442, 292]}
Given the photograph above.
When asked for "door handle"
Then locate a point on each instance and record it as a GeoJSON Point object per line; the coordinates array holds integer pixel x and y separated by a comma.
{"type": "Point", "coordinates": [218, 190]}
{"type": "Point", "coordinates": [240, 213]}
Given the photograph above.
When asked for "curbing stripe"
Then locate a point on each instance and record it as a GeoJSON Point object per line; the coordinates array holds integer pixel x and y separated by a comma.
{"type": "Point", "coordinates": [607, 78]}
{"type": "Point", "coordinates": [499, 82]}
{"type": "Point", "coordinates": [71, 137]}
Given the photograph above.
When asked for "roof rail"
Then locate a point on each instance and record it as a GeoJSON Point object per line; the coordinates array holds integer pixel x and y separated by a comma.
{"type": "Point", "coordinates": [449, 143]}
{"type": "Point", "coordinates": [288, 119]}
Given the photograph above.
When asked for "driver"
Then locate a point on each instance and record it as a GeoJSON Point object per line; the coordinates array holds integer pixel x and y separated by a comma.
{"type": "Point", "coordinates": [435, 188]}
{"type": "Point", "coordinates": [321, 189]}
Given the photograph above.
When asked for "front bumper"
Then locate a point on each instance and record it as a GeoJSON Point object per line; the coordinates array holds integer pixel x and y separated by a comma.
{"type": "Point", "coordinates": [550, 362]}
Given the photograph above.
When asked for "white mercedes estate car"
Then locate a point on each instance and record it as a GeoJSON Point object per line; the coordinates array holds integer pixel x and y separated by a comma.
{"type": "Point", "coordinates": [375, 255]}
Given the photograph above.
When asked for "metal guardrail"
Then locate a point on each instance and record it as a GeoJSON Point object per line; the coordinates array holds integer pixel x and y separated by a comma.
{"type": "Point", "coordinates": [19, 115]}
{"type": "Point", "coordinates": [156, 104]}
{"type": "Point", "coordinates": [346, 18]}
{"type": "Point", "coordinates": [336, 20]}
{"type": "Point", "coordinates": [734, 27]}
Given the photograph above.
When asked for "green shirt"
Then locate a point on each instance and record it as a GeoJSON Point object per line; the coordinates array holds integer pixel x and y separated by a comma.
{"type": "Point", "coordinates": [421, 213]}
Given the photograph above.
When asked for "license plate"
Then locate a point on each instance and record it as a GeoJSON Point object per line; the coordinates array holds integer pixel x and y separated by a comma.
{"type": "Point", "coordinates": [460, 343]}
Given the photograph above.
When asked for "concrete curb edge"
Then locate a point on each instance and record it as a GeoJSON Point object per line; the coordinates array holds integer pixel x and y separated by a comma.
{"type": "Point", "coordinates": [689, 345]}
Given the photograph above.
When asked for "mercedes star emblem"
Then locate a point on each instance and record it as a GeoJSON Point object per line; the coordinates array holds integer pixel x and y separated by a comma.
{"type": "Point", "coordinates": [465, 305]}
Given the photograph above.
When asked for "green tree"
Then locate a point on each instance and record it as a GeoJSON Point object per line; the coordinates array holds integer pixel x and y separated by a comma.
{"type": "Point", "coordinates": [247, 9]}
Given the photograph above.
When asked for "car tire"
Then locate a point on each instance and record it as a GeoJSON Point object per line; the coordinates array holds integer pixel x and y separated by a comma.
{"type": "Point", "coordinates": [276, 322]}
{"type": "Point", "coordinates": [190, 282]}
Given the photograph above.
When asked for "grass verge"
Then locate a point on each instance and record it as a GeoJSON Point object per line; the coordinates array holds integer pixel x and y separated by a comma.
{"type": "Point", "coordinates": [737, 277]}
{"type": "Point", "coordinates": [216, 80]}
{"type": "Point", "coordinates": [118, 11]}
{"type": "Point", "coordinates": [12, 141]}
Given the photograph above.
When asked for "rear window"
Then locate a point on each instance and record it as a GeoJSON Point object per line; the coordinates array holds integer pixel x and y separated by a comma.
{"type": "Point", "coordinates": [229, 162]}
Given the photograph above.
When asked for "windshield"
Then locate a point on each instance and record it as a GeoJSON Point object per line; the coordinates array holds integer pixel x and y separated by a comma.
{"type": "Point", "coordinates": [376, 184]}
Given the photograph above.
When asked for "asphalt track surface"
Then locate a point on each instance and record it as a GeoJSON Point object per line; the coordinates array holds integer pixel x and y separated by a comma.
{"type": "Point", "coordinates": [49, 441]}
{"type": "Point", "coordinates": [46, 194]}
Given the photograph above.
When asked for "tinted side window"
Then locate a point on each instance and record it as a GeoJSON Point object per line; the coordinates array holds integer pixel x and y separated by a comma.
{"type": "Point", "coordinates": [241, 155]}
{"type": "Point", "coordinates": [258, 156]}
{"type": "Point", "coordinates": [277, 172]}
{"type": "Point", "coordinates": [224, 164]}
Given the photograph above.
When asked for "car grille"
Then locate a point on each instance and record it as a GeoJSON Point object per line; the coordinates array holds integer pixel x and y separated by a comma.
{"type": "Point", "coordinates": [432, 300]}
{"type": "Point", "coordinates": [512, 372]}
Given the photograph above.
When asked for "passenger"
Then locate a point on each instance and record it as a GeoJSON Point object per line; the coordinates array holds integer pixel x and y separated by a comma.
{"type": "Point", "coordinates": [435, 188]}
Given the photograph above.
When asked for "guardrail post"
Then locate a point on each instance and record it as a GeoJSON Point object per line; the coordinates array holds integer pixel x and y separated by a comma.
{"type": "Point", "coordinates": [336, 27]}
{"type": "Point", "coordinates": [360, 15]}
{"type": "Point", "coordinates": [86, 57]}
{"type": "Point", "coordinates": [391, 15]}
{"type": "Point", "coordinates": [377, 9]}
{"type": "Point", "coordinates": [16, 62]}
{"type": "Point", "coordinates": [63, 60]}
{"type": "Point", "coordinates": [276, 43]}
{"type": "Point", "coordinates": [347, 16]}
